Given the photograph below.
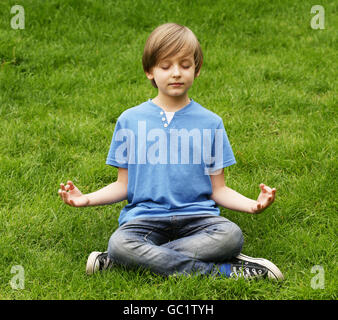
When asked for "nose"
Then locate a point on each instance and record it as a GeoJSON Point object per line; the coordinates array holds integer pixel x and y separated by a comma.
{"type": "Point", "coordinates": [176, 71]}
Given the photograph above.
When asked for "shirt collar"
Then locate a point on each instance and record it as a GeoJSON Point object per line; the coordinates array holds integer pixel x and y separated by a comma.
{"type": "Point", "coordinates": [183, 110]}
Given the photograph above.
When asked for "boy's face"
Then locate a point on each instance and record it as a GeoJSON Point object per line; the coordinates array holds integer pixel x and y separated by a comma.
{"type": "Point", "coordinates": [174, 75]}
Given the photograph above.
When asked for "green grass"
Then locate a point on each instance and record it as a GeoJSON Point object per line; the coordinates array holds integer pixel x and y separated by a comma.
{"type": "Point", "coordinates": [76, 66]}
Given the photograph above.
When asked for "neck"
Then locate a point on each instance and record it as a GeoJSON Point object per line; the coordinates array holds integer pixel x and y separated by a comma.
{"type": "Point", "coordinates": [171, 104]}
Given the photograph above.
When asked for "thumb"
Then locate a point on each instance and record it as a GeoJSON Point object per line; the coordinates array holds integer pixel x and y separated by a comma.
{"type": "Point", "coordinates": [71, 185]}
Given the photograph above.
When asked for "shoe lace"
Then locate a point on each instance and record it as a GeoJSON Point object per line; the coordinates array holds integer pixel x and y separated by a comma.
{"type": "Point", "coordinates": [245, 272]}
{"type": "Point", "coordinates": [104, 260]}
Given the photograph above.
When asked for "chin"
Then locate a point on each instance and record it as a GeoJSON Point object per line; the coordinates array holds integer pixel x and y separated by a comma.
{"type": "Point", "coordinates": [176, 94]}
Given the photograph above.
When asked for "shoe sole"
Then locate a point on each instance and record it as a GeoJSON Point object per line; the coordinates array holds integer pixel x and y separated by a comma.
{"type": "Point", "coordinates": [90, 267]}
{"type": "Point", "coordinates": [275, 273]}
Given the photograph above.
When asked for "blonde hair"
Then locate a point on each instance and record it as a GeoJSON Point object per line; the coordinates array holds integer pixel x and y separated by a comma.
{"type": "Point", "coordinates": [168, 40]}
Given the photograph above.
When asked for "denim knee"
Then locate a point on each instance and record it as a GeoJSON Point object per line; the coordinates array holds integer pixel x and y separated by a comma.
{"type": "Point", "coordinates": [115, 245]}
{"type": "Point", "coordinates": [232, 241]}
{"type": "Point", "coordinates": [123, 246]}
{"type": "Point", "coordinates": [227, 241]}
{"type": "Point", "coordinates": [236, 240]}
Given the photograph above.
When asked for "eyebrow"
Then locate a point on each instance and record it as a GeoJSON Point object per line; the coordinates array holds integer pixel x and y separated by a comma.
{"type": "Point", "coordinates": [182, 59]}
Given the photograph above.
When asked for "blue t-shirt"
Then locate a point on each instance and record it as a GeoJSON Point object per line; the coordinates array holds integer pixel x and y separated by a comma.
{"type": "Point", "coordinates": [169, 164]}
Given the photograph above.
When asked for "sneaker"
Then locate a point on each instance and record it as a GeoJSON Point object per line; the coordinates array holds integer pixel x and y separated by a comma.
{"type": "Point", "coordinates": [248, 267]}
{"type": "Point", "coordinates": [98, 261]}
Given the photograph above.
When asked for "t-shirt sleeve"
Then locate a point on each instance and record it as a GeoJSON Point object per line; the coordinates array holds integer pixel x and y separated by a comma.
{"type": "Point", "coordinates": [223, 155]}
{"type": "Point", "coordinates": [119, 151]}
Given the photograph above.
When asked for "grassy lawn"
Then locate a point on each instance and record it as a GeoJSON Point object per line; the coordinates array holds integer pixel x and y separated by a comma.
{"type": "Point", "coordinates": [76, 66]}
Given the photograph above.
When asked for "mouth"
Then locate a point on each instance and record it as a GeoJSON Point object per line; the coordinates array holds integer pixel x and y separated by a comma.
{"type": "Point", "coordinates": [176, 84]}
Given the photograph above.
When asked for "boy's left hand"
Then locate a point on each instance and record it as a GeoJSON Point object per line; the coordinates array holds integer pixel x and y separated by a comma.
{"type": "Point", "coordinates": [265, 198]}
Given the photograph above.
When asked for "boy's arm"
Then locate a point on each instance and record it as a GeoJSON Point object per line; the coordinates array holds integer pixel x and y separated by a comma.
{"type": "Point", "coordinates": [114, 192]}
{"type": "Point", "coordinates": [230, 199]}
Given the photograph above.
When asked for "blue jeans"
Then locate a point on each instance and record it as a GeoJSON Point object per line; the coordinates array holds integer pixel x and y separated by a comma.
{"type": "Point", "coordinates": [179, 244]}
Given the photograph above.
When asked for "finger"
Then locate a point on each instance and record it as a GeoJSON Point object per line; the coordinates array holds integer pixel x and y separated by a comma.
{"type": "Point", "coordinates": [62, 186]}
{"type": "Point", "coordinates": [64, 196]}
{"type": "Point", "coordinates": [267, 189]}
{"type": "Point", "coordinates": [71, 185]}
{"type": "Point", "coordinates": [262, 186]}
{"type": "Point", "coordinates": [267, 202]}
{"type": "Point", "coordinates": [273, 194]}
{"type": "Point", "coordinates": [61, 194]}
{"type": "Point", "coordinates": [67, 198]}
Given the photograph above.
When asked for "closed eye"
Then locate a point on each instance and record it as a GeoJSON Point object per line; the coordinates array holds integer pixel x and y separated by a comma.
{"type": "Point", "coordinates": [167, 67]}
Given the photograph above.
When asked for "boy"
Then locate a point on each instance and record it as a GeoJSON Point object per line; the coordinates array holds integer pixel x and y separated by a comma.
{"type": "Point", "coordinates": [170, 153]}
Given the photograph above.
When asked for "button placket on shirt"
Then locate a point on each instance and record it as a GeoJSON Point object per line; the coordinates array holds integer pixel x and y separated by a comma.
{"type": "Point", "coordinates": [164, 119]}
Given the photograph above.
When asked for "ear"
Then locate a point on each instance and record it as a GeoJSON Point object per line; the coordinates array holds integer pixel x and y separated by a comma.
{"type": "Point", "coordinates": [199, 71]}
{"type": "Point", "coordinates": [150, 75]}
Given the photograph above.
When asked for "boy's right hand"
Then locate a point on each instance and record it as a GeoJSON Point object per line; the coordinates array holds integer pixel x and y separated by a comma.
{"type": "Point", "coordinates": [72, 196]}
